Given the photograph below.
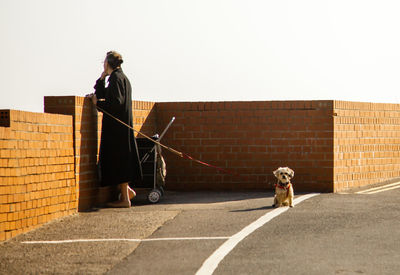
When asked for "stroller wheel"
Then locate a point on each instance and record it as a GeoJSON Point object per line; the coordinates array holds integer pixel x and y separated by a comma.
{"type": "Point", "coordinates": [154, 196]}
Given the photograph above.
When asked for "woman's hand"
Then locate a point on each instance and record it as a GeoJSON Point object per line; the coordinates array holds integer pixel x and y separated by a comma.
{"type": "Point", "coordinates": [104, 74]}
{"type": "Point", "coordinates": [94, 99]}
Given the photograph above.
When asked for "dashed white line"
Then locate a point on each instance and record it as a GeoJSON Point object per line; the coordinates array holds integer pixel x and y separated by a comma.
{"type": "Point", "coordinates": [212, 262]}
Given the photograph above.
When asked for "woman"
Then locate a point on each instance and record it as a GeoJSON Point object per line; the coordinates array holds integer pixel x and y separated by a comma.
{"type": "Point", "coordinates": [119, 158]}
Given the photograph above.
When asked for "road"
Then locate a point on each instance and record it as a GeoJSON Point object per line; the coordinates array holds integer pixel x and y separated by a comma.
{"type": "Point", "coordinates": [324, 234]}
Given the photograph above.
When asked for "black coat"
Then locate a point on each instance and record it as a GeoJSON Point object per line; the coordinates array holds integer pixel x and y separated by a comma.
{"type": "Point", "coordinates": [119, 157]}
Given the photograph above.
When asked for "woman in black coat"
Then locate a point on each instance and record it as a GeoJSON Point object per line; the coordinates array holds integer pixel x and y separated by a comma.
{"type": "Point", "coordinates": [119, 158]}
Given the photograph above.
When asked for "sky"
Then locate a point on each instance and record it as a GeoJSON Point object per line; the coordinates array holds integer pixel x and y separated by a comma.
{"type": "Point", "coordinates": [202, 50]}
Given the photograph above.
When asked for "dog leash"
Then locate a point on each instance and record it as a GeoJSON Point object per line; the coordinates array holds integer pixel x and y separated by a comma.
{"type": "Point", "coordinates": [147, 137]}
{"type": "Point", "coordinates": [176, 152]}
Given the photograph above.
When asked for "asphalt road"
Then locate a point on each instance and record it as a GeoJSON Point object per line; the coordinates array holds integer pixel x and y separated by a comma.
{"type": "Point", "coordinates": [326, 234]}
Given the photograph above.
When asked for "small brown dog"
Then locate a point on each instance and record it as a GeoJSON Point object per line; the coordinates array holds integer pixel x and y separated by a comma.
{"type": "Point", "coordinates": [283, 189]}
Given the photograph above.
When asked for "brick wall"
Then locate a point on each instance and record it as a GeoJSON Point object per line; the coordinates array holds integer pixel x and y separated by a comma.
{"type": "Point", "coordinates": [48, 162]}
{"type": "Point", "coordinates": [87, 133]}
{"type": "Point", "coordinates": [37, 181]}
{"type": "Point", "coordinates": [251, 139]}
{"type": "Point", "coordinates": [366, 143]}
{"type": "Point", "coordinates": [85, 137]}
{"type": "Point", "coordinates": [144, 117]}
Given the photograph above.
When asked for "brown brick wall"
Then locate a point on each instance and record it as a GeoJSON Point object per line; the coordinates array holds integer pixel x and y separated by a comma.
{"type": "Point", "coordinates": [48, 162]}
{"type": "Point", "coordinates": [144, 117]}
{"type": "Point", "coordinates": [251, 139]}
{"type": "Point", "coordinates": [366, 143]}
{"type": "Point", "coordinates": [37, 181]}
{"type": "Point", "coordinates": [85, 138]}
{"type": "Point", "coordinates": [87, 133]}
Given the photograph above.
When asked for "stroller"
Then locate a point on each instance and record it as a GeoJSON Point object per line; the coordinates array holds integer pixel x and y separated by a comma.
{"type": "Point", "coordinates": [153, 166]}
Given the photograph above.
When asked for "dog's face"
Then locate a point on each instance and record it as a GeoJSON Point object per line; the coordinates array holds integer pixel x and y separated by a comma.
{"type": "Point", "coordinates": [284, 174]}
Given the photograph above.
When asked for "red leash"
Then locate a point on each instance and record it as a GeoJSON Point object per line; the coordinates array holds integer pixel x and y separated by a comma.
{"type": "Point", "coordinates": [185, 156]}
{"type": "Point", "coordinates": [176, 152]}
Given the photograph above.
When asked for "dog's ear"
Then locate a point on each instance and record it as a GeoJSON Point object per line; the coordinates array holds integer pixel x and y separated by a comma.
{"type": "Point", "coordinates": [276, 172]}
{"type": "Point", "coordinates": [291, 172]}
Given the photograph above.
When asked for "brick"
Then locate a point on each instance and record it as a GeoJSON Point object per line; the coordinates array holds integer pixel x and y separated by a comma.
{"type": "Point", "coordinates": [358, 145]}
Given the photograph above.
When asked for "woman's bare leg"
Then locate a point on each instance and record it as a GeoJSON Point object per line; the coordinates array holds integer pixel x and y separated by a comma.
{"type": "Point", "coordinates": [124, 200]}
{"type": "Point", "coordinates": [125, 193]}
{"type": "Point", "coordinates": [131, 193]}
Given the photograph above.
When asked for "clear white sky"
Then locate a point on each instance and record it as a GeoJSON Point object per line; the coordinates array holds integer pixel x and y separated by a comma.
{"type": "Point", "coordinates": [202, 50]}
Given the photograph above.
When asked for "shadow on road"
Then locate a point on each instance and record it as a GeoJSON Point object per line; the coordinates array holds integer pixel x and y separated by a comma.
{"type": "Point", "coordinates": [253, 209]}
{"type": "Point", "coordinates": [201, 197]}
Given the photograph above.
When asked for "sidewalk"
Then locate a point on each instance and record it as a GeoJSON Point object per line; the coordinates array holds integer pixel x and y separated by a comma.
{"type": "Point", "coordinates": [337, 233]}
{"type": "Point", "coordinates": [84, 257]}
{"type": "Point", "coordinates": [98, 257]}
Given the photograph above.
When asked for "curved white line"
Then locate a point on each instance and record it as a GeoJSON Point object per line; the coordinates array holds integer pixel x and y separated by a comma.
{"type": "Point", "coordinates": [212, 262]}
{"type": "Point", "coordinates": [383, 187]}
{"type": "Point", "coordinates": [381, 190]}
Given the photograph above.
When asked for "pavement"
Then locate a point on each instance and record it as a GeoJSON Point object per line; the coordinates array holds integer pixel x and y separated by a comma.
{"type": "Point", "coordinates": [352, 233]}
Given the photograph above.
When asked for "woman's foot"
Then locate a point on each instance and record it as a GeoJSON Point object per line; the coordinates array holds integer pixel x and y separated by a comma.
{"type": "Point", "coordinates": [132, 193]}
{"type": "Point", "coordinates": [119, 204]}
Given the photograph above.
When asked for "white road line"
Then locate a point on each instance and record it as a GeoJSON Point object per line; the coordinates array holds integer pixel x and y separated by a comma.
{"type": "Point", "coordinates": [185, 239]}
{"type": "Point", "coordinates": [212, 262]}
{"type": "Point", "coordinates": [378, 188]}
{"type": "Point", "coordinates": [125, 240]}
{"type": "Point", "coordinates": [381, 190]}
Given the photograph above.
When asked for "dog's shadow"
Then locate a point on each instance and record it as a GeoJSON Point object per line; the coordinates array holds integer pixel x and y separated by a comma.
{"type": "Point", "coordinates": [253, 209]}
